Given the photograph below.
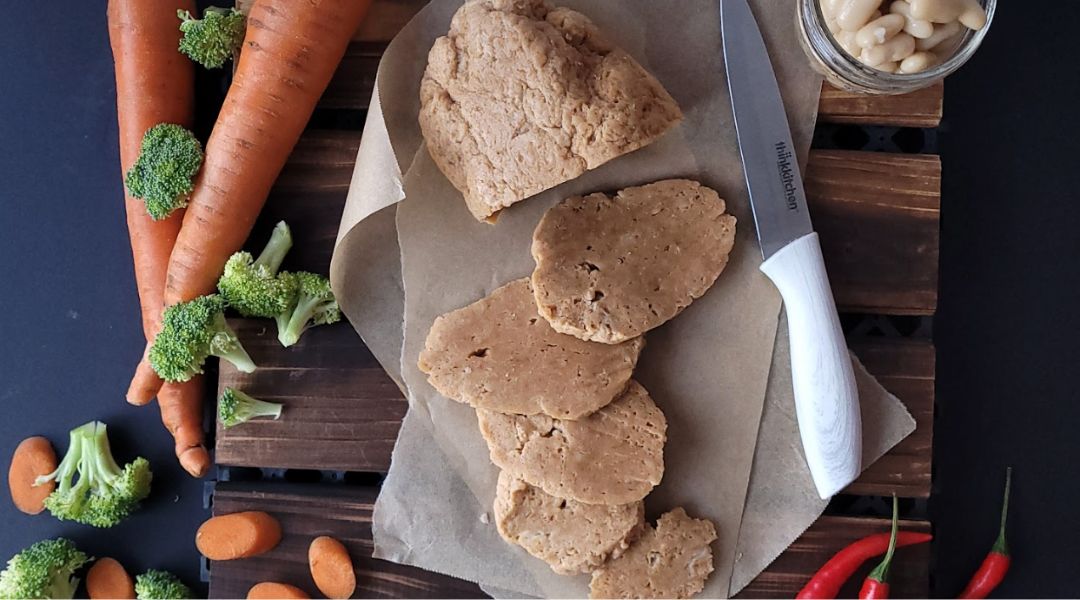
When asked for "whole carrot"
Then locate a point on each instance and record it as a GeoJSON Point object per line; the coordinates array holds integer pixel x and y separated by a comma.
{"type": "Point", "coordinates": [876, 584]}
{"type": "Point", "coordinates": [155, 84]}
{"type": "Point", "coordinates": [290, 51]}
{"type": "Point", "coordinates": [826, 583]}
{"type": "Point", "coordinates": [997, 562]}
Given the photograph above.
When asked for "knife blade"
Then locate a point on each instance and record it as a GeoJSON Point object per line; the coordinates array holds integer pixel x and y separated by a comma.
{"type": "Point", "coordinates": [823, 382]}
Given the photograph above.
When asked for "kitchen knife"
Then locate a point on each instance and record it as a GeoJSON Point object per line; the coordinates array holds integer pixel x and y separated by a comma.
{"type": "Point", "coordinates": [826, 399]}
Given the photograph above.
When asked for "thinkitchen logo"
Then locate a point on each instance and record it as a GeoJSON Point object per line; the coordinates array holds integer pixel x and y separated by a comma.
{"type": "Point", "coordinates": [787, 175]}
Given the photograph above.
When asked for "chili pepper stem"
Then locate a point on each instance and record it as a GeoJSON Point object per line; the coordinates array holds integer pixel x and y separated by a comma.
{"type": "Point", "coordinates": [996, 564]}
{"type": "Point", "coordinates": [1000, 545]}
{"type": "Point", "coordinates": [876, 584]}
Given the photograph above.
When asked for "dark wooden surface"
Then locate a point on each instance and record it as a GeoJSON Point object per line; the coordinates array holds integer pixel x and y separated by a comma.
{"type": "Point", "coordinates": [906, 368]}
{"type": "Point", "coordinates": [878, 217]}
{"type": "Point", "coordinates": [306, 512]}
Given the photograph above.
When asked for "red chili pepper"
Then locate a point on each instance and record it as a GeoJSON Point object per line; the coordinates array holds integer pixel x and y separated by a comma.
{"type": "Point", "coordinates": [826, 583]}
{"type": "Point", "coordinates": [876, 584]}
{"type": "Point", "coordinates": [996, 564]}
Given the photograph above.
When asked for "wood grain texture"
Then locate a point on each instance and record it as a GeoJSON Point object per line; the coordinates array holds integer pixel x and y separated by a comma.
{"type": "Point", "coordinates": [906, 368]}
{"type": "Point", "coordinates": [878, 216]}
{"type": "Point", "coordinates": [792, 569]}
{"type": "Point", "coordinates": [922, 108]}
{"type": "Point", "coordinates": [342, 411]}
{"type": "Point", "coordinates": [306, 512]}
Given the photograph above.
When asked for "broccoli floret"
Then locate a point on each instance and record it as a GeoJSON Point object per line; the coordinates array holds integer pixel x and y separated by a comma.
{"type": "Point", "coordinates": [315, 305]}
{"type": "Point", "coordinates": [236, 407]}
{"type": "Point", "coordinates": [212, 40]}
{"type": "Point", "coordinates": [252, 287]}
{"type": "Point", "coordinates": [163, 176]}
{"type": "Point", "coordinates": [104, 494]}
{"type": "Point", "coordinates": [44, 570]}
{"type": "Point", "coordinates": [190, 332]}
{"type": "Point", "coordinates": [161, 585]}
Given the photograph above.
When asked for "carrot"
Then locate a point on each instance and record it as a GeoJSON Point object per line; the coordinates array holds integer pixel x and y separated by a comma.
{"type": "Point", "coordinates": [108, 579]}
{"type": "Point", "coordinates": [154, 84]}
{"type": "Point", "coordinates": [181, 413]}
{"type": "Point", "coordinates": [290, 51]}
{"type": "Point", "coordinates": [239, 535]}
{"type": "Point", "coordinates": [33, 458]}
{"type": "Point", "coordinates": [331, 567]}
{"type": "Point", "coordinates": [272, 590]}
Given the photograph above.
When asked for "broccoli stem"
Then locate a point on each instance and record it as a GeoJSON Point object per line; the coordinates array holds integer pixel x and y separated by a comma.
{"type": "Point", "coordinates": [238, 357]}
{"type": "Point", "coordinates": [100, 453]}
{"type": "Point", "coordinates": [63, 585]}
{"type": "Point", "coordinates": [299, 321]}
{"type": "Point", "coordinates": [279, 245]}
{"type": "Point", "coordinates": [68, 467]}
{"type": "Point", "coordinates": [253, 407]}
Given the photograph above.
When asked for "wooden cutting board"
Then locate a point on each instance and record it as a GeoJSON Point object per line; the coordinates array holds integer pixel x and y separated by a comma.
{"type": "Point", "coordinates": [878, 217]}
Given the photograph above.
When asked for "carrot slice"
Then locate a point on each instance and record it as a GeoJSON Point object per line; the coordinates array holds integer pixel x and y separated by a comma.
{"type": "Point", "coordinates": [108, 579]}
{"type": "Point", "coordinates": [331, 567]}
{"type": "Point", "coordinates": [33, 458]}
{"type": "Point", "coordinates": [272, 590]}
{"type": "Point", "coordinates": [239, 535]}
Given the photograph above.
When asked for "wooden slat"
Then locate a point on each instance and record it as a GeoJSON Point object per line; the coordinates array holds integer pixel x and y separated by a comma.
{"type": "Point", "coordinates": [922, 108]}
{"type": "Point", "coordinates": [306, 512]}
{"type": "Point", "coordinates": [906, 368]}
{"type": "Point", "coordinates": [791, 570]}
{"type": "Point", "coordinates": [342, 412]}
{"type": "Point", "coordinates": [877, 215]}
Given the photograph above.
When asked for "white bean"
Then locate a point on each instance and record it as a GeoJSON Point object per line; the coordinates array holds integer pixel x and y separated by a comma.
{"type": "Point", "coordinates": [973, 17]}
{"type": "Point", "coordinates": [834, 27]}
{"type": "Point", "coordinates": [846, 39]}
{"type": "Point", "coordinates": [899, 47]}
{"type": "Point", "coordinates": [853, 14]}
{"type": "Point", "coordinates": [829, 8]}
{"type": "Point", "coordinates": [877, 31]}
{"type": "Point", "coordinates": [941, 33]}
{"type": "Point", "coordinates": [970, 12]}
{"type": "Point", "coordinates": [920, 61]}
{"type": "Point", "coordinates": [888, 67]}
{"type": "Point", "coordinates": [918, 28]}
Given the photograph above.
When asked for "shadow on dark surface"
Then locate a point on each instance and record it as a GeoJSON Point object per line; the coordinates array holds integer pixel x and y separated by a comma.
{"type": "Point", "coordinates": [1007, 321]}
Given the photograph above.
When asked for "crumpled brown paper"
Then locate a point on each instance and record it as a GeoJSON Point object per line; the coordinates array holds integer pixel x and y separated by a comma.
{"type": "Point", "coordinates": [397, 266]}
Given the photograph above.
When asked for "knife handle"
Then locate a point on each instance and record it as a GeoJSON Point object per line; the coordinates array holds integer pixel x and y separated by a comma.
{"type": "Point", "coordinates": [826, 399]}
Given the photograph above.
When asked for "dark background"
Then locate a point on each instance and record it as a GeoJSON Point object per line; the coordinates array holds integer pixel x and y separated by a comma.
{"type": "Point", "coordinates": [1005, 329]}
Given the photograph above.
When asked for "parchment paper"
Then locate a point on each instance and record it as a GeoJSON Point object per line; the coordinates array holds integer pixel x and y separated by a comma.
{"type": "Point", "coordinates": [707, 369]}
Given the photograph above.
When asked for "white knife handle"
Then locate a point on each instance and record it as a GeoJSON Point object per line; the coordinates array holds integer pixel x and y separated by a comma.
{"type": "Point", "coordinates": [826, 399]}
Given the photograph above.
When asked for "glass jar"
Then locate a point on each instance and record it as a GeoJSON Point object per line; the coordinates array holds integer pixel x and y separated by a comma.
{"type": "Point", "coordinates": [846, 72]}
